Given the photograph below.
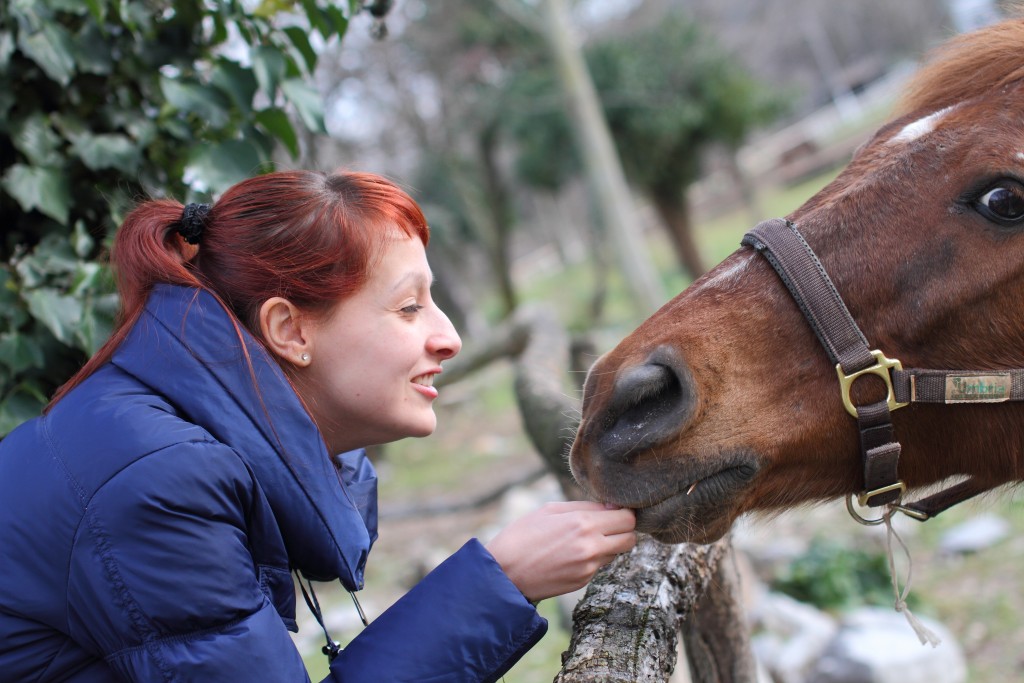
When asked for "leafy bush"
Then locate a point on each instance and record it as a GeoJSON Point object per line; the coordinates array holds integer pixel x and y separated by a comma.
{"type": "Point", "coordinates": [104, 102]}
{"type": "Point", "coordinates": [834, 577]}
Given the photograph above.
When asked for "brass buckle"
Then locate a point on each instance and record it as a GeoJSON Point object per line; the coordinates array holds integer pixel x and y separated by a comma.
{"type": "Point", "coordinates": [860, 519]}
{"type": "Point", "coordinates": [882, 367]}
{"type": "Point", "coordinates": [863, 499]}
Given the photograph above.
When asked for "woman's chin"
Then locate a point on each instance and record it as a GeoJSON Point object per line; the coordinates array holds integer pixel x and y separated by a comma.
{"type": "Point", "coordinates": [423, 428]}
{"type": "Point", "coordinates": [379, 434]}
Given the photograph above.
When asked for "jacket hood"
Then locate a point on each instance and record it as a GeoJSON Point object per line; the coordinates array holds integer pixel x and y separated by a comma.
{"type": "Point", "coordinates": [189, 350]}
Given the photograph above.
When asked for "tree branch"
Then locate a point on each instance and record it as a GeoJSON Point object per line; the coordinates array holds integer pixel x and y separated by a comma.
{"type": "Point", "coordinates": [626, 626]}
{"type": "Point", "coordinates": [445, 508]}
{"type": "Point", "coordinates": [715, 636]}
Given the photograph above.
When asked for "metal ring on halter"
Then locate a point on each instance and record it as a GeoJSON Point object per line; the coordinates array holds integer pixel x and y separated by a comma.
{"type": "Point", "coordinates": [919, 515]}
{"type": "Point", "coordinates": [857, 517]}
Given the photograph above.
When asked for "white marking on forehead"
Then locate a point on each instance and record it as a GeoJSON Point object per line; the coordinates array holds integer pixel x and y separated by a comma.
{"type": "Point", "coordinates": [726, 275]}
{"type": "Point", "coordinates": [922, 126]}
{"type": "Point", "coordinates": [1020, 155]}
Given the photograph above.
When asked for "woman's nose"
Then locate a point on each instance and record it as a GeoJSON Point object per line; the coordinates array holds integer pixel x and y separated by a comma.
{"type": "Point", "coordinates": [445, 341]}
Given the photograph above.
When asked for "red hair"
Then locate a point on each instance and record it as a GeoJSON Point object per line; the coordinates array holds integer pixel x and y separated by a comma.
{"type": "Point", "coordinates": [305, 236]}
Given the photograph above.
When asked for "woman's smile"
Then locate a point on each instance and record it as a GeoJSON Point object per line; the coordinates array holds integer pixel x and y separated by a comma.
{"type": "Point", "coordinates": [388, 336]}
{"type": "Point", "coordinates": [425, 384]}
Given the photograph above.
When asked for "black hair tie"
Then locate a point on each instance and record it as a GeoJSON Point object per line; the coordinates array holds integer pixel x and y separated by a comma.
{"type": "Point", "coordinates": [193, 222]}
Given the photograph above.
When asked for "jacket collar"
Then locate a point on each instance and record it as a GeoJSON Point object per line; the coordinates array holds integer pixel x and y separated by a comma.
{"type": "Point", "coordinates": [187, 348]}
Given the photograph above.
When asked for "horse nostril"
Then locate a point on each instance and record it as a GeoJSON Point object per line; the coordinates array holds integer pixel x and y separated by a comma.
{"type": "Point", "coordinates": [641, 384]}
{"type": "Point", "coordinates": [650, 403]}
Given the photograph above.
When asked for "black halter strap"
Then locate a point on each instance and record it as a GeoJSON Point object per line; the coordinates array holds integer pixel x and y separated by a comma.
{"type": "Point", "coordinates": [784, 247]}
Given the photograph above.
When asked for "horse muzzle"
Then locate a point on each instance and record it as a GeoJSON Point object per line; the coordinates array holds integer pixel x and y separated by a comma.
{"type": "Point", "coordinates": [650, 403]}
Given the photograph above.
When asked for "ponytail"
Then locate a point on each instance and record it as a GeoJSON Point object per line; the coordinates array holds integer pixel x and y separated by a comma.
{"type": "Point", "coordinates": [147, 250]}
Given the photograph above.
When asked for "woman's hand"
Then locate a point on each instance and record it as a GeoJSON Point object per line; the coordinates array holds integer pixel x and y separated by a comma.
{"type": "Point", "coordinates": [559, 547]}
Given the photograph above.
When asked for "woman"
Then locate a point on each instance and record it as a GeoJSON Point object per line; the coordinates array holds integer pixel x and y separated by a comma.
{"type": "Point", "coordinates": [153, 515]}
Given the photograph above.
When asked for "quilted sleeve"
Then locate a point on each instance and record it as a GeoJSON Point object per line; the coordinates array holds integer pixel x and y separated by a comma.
{"type": "Point", "coordinates": [465, 622]}
{"type": "Point", "coordinates": [163, 584]}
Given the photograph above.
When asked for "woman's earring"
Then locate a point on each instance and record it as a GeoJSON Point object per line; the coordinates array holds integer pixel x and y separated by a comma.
{"type": "Point", "coordinates": [305, 358]}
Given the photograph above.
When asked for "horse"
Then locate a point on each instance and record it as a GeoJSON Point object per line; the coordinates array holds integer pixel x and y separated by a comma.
{"type": "Point", "coordinates": [726, 400]}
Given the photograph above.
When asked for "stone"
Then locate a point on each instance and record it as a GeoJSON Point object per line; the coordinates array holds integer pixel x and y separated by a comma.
{"type": "Point", "coordinates": [791, 636]}
{"type": "Point", "coordinates": [976, 534]}
{"type": "Point", "coordinates": [877, 645]}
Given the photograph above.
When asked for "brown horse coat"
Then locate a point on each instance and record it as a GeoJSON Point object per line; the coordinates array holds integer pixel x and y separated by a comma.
{"type": "Point", "coordinates": [724, 402]}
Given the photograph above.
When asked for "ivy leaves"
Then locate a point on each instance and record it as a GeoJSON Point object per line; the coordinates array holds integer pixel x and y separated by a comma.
{"type": "Point", "coordinates": [103, 102]}
{"type": "Point", "coordinates": [56, 305]}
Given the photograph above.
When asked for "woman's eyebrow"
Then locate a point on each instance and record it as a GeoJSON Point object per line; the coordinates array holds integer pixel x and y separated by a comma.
{"type": "Point", "coordinates": [417, 278]}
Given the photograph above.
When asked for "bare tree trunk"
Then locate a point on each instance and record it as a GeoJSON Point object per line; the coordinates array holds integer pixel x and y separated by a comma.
{"type": "Point", "coordinates": [500, 209]}
{"type": "Point", "coordinates": [599, 255]}
{"type": "Point", "coordinates": [746, 187]}
{"type": "Point", "coordinates": [675, 216]}
{"type": "Point", "coordinates": [627, 624]}
{"type": "Point", "coordinates": [716, 637]}
{"type": "Point", "coordinates": [603, 169]}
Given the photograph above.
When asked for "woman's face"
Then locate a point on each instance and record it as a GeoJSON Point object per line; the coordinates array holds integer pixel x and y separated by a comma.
{"type": "Point", "coordinates": [373, 360]}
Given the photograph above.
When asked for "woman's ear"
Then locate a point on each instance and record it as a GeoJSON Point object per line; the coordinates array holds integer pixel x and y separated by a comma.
{"type": "Point", "coordinates": [285, 331]}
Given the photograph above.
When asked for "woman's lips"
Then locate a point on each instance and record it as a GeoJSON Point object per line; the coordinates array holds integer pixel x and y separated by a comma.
{"type": "Point", "coordinates": [425, 385]}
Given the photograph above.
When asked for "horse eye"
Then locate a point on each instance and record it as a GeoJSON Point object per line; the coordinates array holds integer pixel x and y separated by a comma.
{"type": "Point", "coordinates": [1003, 203]}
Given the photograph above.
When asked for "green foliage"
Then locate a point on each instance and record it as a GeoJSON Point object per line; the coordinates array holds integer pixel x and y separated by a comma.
{"type": "Point", "coordinates": [835, 577]}
{"type": "Point", "coordinates": [57, 307]}
{"type": "Point", "coordinates": [668, 92]}
{"type": "Point", "coordinates": [546, 153]}
{"type": "Point", "coordinates": [667, 95]}
{"type": "Point", "coordinates": [106, 101]}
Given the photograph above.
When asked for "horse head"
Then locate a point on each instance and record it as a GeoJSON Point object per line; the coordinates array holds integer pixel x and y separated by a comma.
{"type": "Point", "coordinates": [724, 400]}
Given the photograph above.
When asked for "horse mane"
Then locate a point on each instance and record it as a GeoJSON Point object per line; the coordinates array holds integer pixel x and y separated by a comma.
{"type": "Point", "coordinates": [968, 66]}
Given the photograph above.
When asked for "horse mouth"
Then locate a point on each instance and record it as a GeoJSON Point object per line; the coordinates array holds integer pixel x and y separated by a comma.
{"type": "Point", "coordinates": [703, 508]}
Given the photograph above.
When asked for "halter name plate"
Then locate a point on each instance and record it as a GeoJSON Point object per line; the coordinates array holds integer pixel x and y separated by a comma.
{"type": "Point", "coordinates": [978, 388]}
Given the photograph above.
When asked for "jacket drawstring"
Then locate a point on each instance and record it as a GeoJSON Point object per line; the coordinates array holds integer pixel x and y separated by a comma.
{"type": "Point", "coordinates": [359, 608]}
{"type": "Point", "coordinates": [333, 647]}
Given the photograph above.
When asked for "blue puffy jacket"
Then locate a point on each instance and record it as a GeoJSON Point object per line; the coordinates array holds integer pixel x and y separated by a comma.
{"type": "Point", "coordinates": [149, 523]}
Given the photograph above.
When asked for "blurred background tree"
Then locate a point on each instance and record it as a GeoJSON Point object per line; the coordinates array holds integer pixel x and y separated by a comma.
{"type": "Point", "coordinates": [103, 102]}
{"type": "Point", "coordinates": [452, 67]}
{"type": "Point", "coordinates": [669, 93]}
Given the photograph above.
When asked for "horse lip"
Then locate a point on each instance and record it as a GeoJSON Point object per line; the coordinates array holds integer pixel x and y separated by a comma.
{"type": "Point", "coordinates": [698, 476]}
{"type": "Point", "coordinates": [704, 490]}
{"type": "Point", "coordinates": [689, 512]}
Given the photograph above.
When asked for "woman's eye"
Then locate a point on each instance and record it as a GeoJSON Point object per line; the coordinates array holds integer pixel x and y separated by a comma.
{"type": "Point", "coordinates": [1003, 203]}
{"type": "Point", "coordinates": [412, 308]}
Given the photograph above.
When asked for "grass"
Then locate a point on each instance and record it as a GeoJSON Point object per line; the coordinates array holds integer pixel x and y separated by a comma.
{"type": "Point", "coordinates": [720, 236]}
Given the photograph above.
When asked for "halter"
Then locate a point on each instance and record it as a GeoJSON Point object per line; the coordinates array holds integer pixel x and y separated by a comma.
{"type": "Point", "coordinates": [784, 247]}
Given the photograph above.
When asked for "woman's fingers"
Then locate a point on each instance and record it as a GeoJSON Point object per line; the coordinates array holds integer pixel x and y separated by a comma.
{"type": "Point", "coordinates": [558, 548]}
{"type": "Point", "coordinates": [617, 521]}
{"type": "Point", "coordinates": [621, 543]}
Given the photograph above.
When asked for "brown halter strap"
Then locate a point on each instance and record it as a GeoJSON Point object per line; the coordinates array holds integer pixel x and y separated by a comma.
{"type": "Point", "coordinates": [784, 247]}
